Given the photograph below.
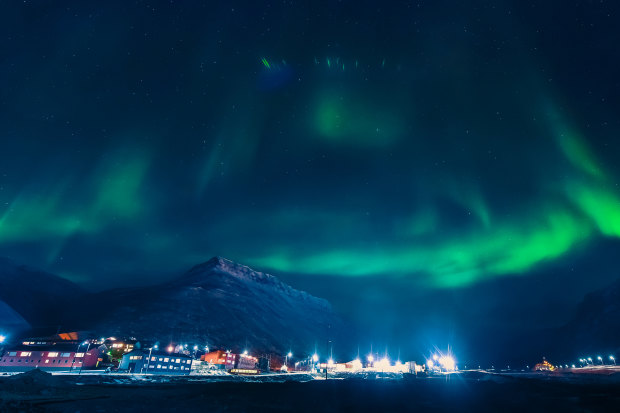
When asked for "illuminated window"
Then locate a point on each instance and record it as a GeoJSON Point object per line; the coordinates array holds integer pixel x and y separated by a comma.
{"type": "Point", "coordinates": [159, 366]}
{"type": "Point", "coordinates": [79, 354]}
{"type": "Point", "coordinates": [178, 360]}
{"type": "Point", "coordinates": [166, 360]}
{"type": "Point", "coordinates": [153, 358]}
{"type": "Point", "coordinates": [65, 355]}
{"type": "Point", "coordinates": [47, 361]}
{"type": "Point", "coordinates": [52, 354]}
{"type": "Point", "coordinates": [25, 353]}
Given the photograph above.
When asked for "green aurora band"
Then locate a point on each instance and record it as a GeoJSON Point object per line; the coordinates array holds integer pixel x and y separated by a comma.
{"type": "Point", "coordinates": [589, 206]}
{"type": "Point", "coordinates": [580, 202]}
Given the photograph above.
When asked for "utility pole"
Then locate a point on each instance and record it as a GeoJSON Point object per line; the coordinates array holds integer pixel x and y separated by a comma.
{"type": "Point", "coordinates": [327, 349]}
{"type": "Point", "coordinates": [84, 359]}
{"type": "Point", "coordinates": [74, 356]}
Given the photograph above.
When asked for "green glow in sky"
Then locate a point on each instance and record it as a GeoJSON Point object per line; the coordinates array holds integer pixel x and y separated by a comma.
{"type": "Point", "coordinates": [347, 119]}
{"type": "Point", "coordinates": [113, 193]}
{"type": "Point", "coordinates": [510, 249]}
{"type": "Point", "coordinates": [435, 156]}
{"type": "Point", "coordinates": [494, 245]}
{"type": "Point", "coordinates": [602, 206]}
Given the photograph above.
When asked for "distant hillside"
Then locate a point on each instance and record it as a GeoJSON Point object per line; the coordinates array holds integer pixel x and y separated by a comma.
{"type": "Point", "coordinates": [595, 328]}
{"type": "Point", "coordinates": [218, 303]}
{"type": "Point", "coordinates": [38, 297]}
{"type": "Point", "coordinates": [10, 321]}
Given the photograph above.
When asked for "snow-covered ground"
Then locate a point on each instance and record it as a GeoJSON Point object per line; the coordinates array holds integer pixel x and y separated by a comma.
{"type": "Point", "coordinates": [478, 391]}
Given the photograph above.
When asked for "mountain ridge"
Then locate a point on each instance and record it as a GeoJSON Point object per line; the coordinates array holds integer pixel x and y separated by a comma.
{"type": "Point", "coordinates": [220, 302]}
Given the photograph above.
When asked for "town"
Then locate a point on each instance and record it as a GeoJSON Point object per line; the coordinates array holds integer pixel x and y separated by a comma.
{"type": "Point", "coordinates": [71, 353]}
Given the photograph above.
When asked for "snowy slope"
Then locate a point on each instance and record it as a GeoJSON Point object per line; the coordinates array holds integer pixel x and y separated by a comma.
{"type": "Point", "coordinates": [224, 304]}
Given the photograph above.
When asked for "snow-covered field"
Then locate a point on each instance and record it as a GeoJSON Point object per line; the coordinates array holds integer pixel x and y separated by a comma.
{"type": "Point", "coordinates": [463, 391]}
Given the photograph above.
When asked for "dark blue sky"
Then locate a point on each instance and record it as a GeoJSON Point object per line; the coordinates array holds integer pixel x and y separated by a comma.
{"type": "Point", "coordinates": [439, 163]}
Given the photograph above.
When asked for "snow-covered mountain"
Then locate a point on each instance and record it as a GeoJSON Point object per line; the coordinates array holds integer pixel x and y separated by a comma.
{"type": "Point", "coordinates": [219, 303]}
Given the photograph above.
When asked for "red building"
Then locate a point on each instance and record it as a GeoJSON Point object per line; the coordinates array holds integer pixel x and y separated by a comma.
{"type": "Point", "coordinates": [220, 358]}
{"type": "Point", "coordinates": [50, 357]}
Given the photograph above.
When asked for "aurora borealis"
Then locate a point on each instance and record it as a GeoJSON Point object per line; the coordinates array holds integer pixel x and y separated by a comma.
{"type": "Point", "coordinates": [429, 144]}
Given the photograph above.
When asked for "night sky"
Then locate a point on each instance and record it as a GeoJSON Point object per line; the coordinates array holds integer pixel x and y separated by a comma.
{"type": "Point", "coordinates": [444, 164]}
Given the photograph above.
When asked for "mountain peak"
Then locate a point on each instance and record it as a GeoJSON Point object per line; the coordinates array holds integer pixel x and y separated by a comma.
{"type": "Point", "coordinates": [223, 266]}
{"type": "Point", "coordinates": [241, 305]}
{"type": "Point", "coordinates": [217, 261]}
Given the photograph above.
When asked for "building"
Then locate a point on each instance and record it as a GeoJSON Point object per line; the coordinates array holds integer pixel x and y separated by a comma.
{"type": "Point", "coordinates": [264, 364]}
{"type": "Point", "coordinates": [161, 362]}
{"type": "Point", "coordinates": [201, 368]}
{"type": "Point", "coordinates": [246, 362]}
{"type": "Point", "coordinates": [544, 366]}
{"type": "Point", "coordinates": [116, 348]}
{"type": "Point", "coordinates": [220, 359]}
{"type": "Point", "coordinates": [415, 368]}
{"type": "Point", "coordinates": [50, 357]}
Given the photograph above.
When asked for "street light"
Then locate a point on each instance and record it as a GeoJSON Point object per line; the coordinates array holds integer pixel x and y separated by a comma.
{"type": "Point", "coordinates": [2, 338]}
{"type": "Point", "coordinates": [149, 359]}
{"type": "Point", "coordinates": [612, 359]}
{"type": "Point", "coordinates": [287, 357]}
{"type": "Point", "coordinates": [84, 358]}
{"type": "Point", "coordinates": [590, 359]}
{"type": "Point", "coordinates": [75, 355]}
{"type": "Point", "coordinates": [601, 360]}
